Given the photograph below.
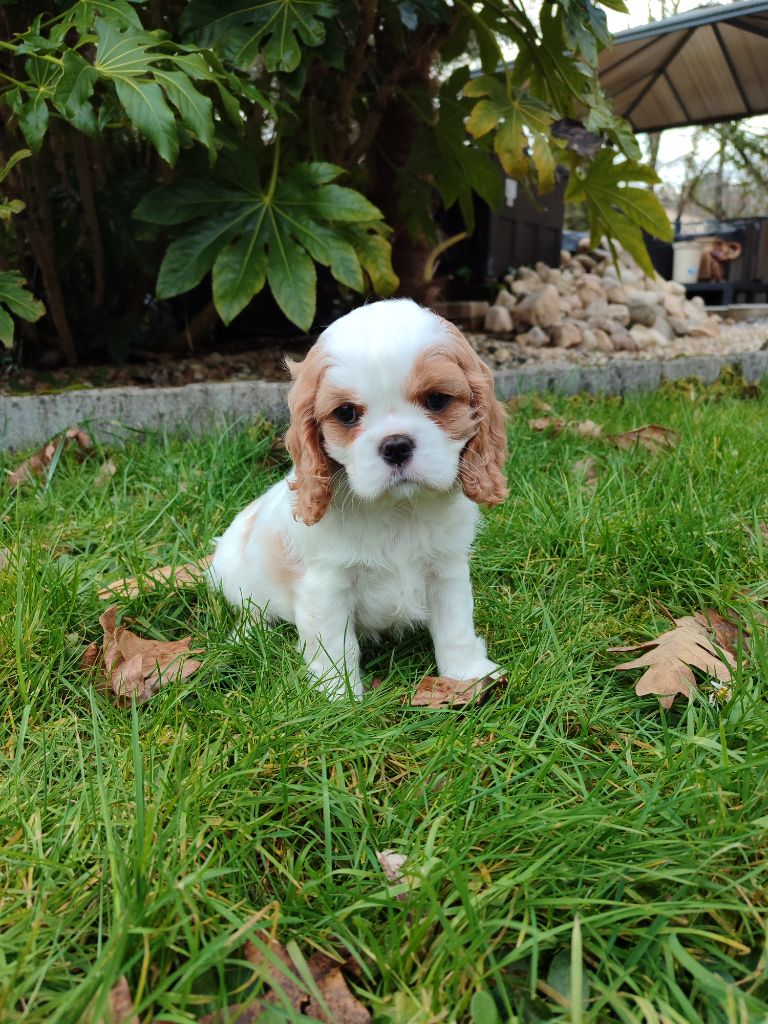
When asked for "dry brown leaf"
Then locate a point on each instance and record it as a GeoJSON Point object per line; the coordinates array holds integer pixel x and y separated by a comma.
{"type": "Point", "coordinates": [178, 575]}
{"type": "Point", "coordinates": [392, 863]}
{"type": "Point", "coordinates": [37, 464]}
{"type": "Point", "coordinates": [326, 972]}
{"type": "Point", "coordinates": [763, 528]}
{"type": "Point", "coordinates": [441, 691]}
{"type": "Point", "coordinates": [727, 632]}
{"type": "Point", "coordinates": [132, 666]}
{"type": "Point", "coordinates": [586, 468]}
{"type": "Point", "coordinates": [343, 1007]}
{"type": "Point", "coordinates": [582, 428]}
{"type": "Point", "coordinates": [274, 977]}
{"type": "Point", "coordinates": [541, 406]}
{"type": "Point", "coordinates": [121, 1003]}
{"type": "Point", "coordinates": [669, 659]}
{"type": "Point", "coordinates": [105, 473]}
{"type": "Point", "coordinates": [5, 558]}
{"type": "Point", "coordinates": [80, 436]}
{"type": "Point", "coordinates": [651, 436]}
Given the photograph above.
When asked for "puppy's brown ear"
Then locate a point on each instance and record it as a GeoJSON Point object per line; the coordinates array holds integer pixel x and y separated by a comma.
{"type": "Point", "coordinates": [481, 470]}
{"type": "Point", "coordinates": [312, 486]}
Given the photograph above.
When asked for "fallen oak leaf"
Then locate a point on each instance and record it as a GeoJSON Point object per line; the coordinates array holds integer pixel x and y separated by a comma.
{"type": "Point", "coordinates": [392, 864]}
{"type": "Point", "coordinates": [121, 1004]}
{"type": "Point", "coordinates": [340, 1005]}
{"type": "Point", "coordinates": [105, 473]}
{"type": "Point", "coordinates": [37, 465]}
{"type": "Point", "coordinates": [586, 468]}
{"type": "Point", "coordinates": [670, 658]}
{"type": "Point", "coordinates": [582, 428]}
{"type": "Point", "coordinates": [134, 667]}
{"type": "Point", "coordinates": [442, 691]}
{"type": "Point", "coordinates": [652, 436]}
{"type": "Point", "coordinates": [728, 633]}
{"type": "Point", "coordinates": [177, 575]}
{"type": "Point", "coordinates": [336, 1005]}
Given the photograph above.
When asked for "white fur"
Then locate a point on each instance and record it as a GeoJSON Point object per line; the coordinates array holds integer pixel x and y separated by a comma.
{"type": "Point", "coordinates": [392, 549]}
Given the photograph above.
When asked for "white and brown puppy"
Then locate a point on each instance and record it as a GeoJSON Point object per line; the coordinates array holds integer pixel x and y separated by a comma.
{"type": "Point", "coordinates": [395, 437]}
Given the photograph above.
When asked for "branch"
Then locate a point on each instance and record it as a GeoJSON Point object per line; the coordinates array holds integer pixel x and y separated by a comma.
{"type": "Point", "coordinates": [343, 116]}
{"type": "Point", "coordinates": [87, 195]}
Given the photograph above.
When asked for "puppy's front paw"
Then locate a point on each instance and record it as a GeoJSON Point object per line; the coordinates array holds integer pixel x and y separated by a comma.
{"type": "Point", "coordinates": [478, 668]}
{"type": "Point", "coordinates": [335, 686]}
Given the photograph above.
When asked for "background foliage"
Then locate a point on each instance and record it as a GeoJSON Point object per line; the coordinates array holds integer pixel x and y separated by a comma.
{"type": "Point", "coordinates": [257, 141]}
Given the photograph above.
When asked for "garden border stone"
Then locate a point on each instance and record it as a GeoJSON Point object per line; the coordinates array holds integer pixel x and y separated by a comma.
{"type": "Point", "coordinates": [115, 414]}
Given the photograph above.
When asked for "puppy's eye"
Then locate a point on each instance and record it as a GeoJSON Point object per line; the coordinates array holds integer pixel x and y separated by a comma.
{"type": "Point", "coordinates": [346, 414]}
{"type": "Point", "coordinates": [436, 401]}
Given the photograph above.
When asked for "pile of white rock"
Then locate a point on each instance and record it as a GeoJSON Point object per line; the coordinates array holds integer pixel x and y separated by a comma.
{"type": "Point", "coordinates": [593, 304]}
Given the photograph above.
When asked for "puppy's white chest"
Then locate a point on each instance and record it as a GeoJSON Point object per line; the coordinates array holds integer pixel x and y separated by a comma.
{"type": "Point", "coordinates": [390, 597]}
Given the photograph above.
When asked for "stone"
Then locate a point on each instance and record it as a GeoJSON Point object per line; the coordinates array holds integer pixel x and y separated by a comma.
{"type": "Point", "coordinates": [643, 313]}
{"type": "Point", "coordinates": [618, 311]}
{"type": "Point", "coordinates": [616, 293]}
{"type": "Point", "coordinates": [541, 307]}
{"type": "Point", "coordinates": [566, 335]}
{"type": "Point", "coordinates": [674, 304]}
{"type": "Point", "coordinates": [638, 296]}
{"type": "Point", "coordinates": [704, 329]}
{"type": "Point", "coordinates": [525, 285]}
{"type": "Point", "coordinates": [505, 299]}
{"type": "Point", "coordinates": [674, 288]}
{"type": "Point", "coordinates": [625, 343]}
{"type": "Point", "coordinates": [663, 326]}
{"type": "Point", "coordinates": [535, 338]}
{"type": "Point", "coordinates": [498, 319]}
{"type": "Point", "coordinates": [603, 341]}
{"type": "Point", "coordinates": [597, 307]}
{"type": "Point", "coordinates": [646, 337]}
{"type": "Point", "coordinates": [680, 325]}
{"type": "Point", "coordinates": [586, 261]}
{"type": "Point", "coordinates": [523, 272]}
{"type": "Point", "coordinates": [565, 258]}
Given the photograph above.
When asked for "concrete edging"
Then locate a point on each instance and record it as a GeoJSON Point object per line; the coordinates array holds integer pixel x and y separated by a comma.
{"type": "Point", "coordinates": [115, 414]}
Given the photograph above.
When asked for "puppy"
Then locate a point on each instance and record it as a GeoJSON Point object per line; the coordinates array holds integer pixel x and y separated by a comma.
{"type": "Point", "coordinates": [395, 437]}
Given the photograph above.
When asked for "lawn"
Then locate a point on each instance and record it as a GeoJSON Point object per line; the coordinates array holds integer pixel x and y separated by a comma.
{"type": "Point", "coordinates": [576, 854]}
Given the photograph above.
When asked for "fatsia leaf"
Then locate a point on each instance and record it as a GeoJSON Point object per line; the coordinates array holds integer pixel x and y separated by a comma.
{"type": "Point", "coordinates": [145, 87]}
{"type": "Point", "coordinates": [617, 209]}
{"type": "Point", "coordinates": [514, 115]}
{"type": "Point", "coordinates": [74, 89]}
{"type": "Point", "coordinates": [16, 299]}
{"type": "Point", "coordinates": [250, 235]}
{"type": "Point", "coordinates": [275, 30]}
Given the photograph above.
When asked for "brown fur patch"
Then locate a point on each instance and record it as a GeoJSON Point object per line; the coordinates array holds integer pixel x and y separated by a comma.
{"type": "Point", "coordinates": [312, 486]}
{"type": "Point", "coordinates": [282, 562]}
{"type": "Point", "coordinates": [436, 370]}
{"type": "Point", "coordinates": [482, 461]}
{"type": "Point", "coordinates": [252, 514]}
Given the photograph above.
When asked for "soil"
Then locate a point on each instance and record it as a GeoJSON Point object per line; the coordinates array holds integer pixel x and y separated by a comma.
{"type": "Point", "coordinates": [267, 362]}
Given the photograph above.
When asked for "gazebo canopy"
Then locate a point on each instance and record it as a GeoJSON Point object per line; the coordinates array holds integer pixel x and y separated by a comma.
{"type": "Point", "coordinates": [707, 65]}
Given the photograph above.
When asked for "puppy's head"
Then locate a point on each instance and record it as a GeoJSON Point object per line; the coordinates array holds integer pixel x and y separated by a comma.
{"type": "Point", "coordinates": [395, 397]}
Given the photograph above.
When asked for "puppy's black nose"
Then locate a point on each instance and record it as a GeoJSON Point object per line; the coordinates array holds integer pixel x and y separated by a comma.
{"type": "Point", "coordinates": [397, 449]}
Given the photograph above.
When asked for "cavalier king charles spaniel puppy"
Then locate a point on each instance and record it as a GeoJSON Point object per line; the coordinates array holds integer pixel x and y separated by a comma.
{"type": "Point", "coordinates": [396, 437]}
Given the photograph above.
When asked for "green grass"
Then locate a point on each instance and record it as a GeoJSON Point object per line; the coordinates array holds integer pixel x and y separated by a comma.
{"type": "Point", "coordinates": [566, 837]}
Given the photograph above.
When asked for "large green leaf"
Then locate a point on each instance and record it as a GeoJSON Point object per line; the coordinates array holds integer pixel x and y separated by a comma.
{"type": "Point", "coordinates": [16, 299]}
{"type": "Point", "coordinates": [617, 209]}
{"type": "Point", "coordinates": [515, 114]}
{"type": "Point", "coordinates": [147, 89]}
{"type": "Point", "coordinates": [74, 89]}
{"type": "Point", "coordinates": [242, 31]}
{"type": "Point", "coordinates": [250, 236]}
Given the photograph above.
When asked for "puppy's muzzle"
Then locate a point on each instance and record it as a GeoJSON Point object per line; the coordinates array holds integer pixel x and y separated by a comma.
{"type": "Point", "coordinates": [397, 449]}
